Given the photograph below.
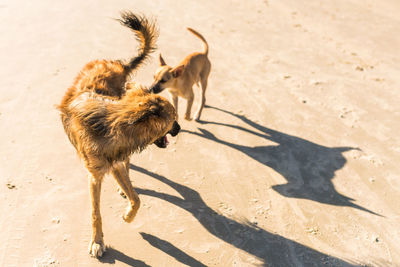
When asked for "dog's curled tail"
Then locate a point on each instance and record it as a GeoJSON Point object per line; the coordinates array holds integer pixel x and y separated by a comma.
{"type": "Point", "coordinates": [201, 38]}
{"type": "Point", "coordinates": [146, 33]}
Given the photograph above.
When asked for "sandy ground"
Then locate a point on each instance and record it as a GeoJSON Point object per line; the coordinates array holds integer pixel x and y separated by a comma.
{"type": "Point", "coordinates": [296, 161]}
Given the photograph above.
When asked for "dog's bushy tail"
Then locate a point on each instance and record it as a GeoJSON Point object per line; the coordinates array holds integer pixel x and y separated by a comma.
{"type": "Point", "coordinates": [146, 33]}
{"type": "Point", "coordinates": [201, 38]}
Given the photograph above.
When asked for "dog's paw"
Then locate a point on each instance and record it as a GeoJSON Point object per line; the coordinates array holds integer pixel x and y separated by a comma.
{"type": "Point", "coordinates": [196, 116]}
{"type": "Point", "coordinates": [129, 215]}
{"type": "Point", "coordinates": [128, 218]}
{"type": "Point", "coordinates": [188, 118]}
{"type": "Point", "coordinates": [96, 249]}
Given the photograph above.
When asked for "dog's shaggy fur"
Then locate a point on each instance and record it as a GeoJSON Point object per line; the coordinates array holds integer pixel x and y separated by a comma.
{"type": "Point", "coordinates": [106, 122]}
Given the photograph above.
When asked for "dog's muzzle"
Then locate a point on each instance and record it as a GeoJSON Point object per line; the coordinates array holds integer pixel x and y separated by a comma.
{"type": "Point", "coordinates": [162, 142]}
{"type": "Point", "coordinates": [175, 129]}
{"type": "Point", "coordinates": [155, 88]}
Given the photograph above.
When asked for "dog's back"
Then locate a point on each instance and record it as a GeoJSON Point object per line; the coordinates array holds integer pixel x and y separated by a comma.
{"type": "Point", "coordinates": [102, 81]}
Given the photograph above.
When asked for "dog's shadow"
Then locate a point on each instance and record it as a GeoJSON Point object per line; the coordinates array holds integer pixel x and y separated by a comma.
{"type": "Point", "coordinates": [271, 249]}
{"type": "Point", "coordinates": [111, 256]}
{"type": "Point", "coordinates": [308, 167]}
{"type": "Point", "coordinates": [171, 250]}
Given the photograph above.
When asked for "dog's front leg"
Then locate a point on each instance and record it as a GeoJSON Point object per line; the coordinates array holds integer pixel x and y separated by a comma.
{"type": "Point", "coordinates": [120, 174]}
{"type": "Point", "coordinates": [96, 246]}
{"type": "Point", "coordinates": [127, 166]}
{"type": "Point", "coordinates": [175, 103]}
{"type": "Point", "coordinates": [189, 106]}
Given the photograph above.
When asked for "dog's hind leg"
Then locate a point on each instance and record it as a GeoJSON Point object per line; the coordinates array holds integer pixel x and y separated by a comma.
{"type": "Point", "coordinates": [120, 173]}
{"type": "Point", "coordinates": [96, 246]}
{"type": "Point", "coordinates": [203, 83]}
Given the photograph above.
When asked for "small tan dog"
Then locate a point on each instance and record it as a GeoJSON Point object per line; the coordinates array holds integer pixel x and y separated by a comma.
{"type": "Point", "coordinates": [193, 69]}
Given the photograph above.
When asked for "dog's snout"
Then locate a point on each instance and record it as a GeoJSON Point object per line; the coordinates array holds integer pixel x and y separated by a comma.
{"type": "Point", "coordinates": [175, 129]}
{"type": "Point", "coordinates": [155, 88]}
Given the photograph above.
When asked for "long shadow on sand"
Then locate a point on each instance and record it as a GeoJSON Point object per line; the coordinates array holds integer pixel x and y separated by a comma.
{"type": "Point", "coordinates": [171, 250]}
{"type": "Point", "coordinates": [308, 167]}
{"type": "Point", "coordinates": [271, 249]}
{"type": "Point", "coordinates": [112, 256]}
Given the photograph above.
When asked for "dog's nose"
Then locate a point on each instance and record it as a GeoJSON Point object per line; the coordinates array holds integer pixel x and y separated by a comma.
{"type": "Point", "coordinates": [155, 88]}
{"type": "Point", "coordinates": [175, 129]}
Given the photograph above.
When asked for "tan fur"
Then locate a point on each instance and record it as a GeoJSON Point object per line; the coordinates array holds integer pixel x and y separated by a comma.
{"type": "Point", "coordinates": [107, 123]}
{"type": "Point", "coordinates": [194, 69]}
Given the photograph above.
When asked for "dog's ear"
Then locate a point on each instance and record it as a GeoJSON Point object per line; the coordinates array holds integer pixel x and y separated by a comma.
{"type": "Point", "coordinates": [162, 61]}
{"type": "Point", "coordinates": [177, 71]}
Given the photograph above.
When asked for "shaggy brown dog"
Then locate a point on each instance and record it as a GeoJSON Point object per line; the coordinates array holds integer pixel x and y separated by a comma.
{"type": "Point", "coordinates": [107, 123]}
